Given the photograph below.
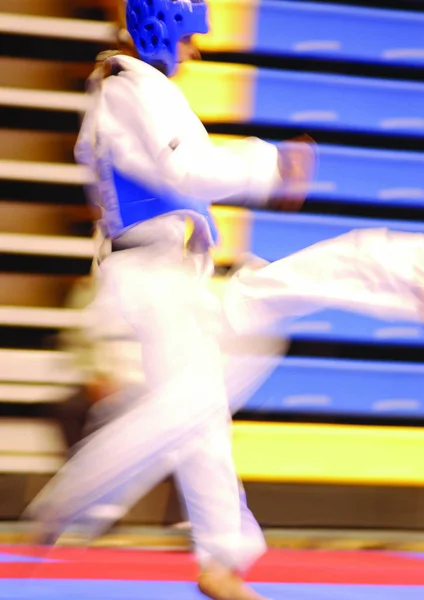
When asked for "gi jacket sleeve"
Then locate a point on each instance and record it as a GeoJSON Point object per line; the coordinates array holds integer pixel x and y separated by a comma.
{"type": "Point", "coordinates": [153, 130]}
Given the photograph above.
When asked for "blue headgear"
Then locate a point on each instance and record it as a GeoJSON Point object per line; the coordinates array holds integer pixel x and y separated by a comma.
{"type": "Point", "coordinates": [156, 26]}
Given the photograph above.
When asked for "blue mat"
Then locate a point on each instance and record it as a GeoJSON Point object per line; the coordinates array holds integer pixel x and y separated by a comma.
{"type": "Point", "coordinates": [147, 590]}
{"type": "Point", "coordinates": [5, 557]}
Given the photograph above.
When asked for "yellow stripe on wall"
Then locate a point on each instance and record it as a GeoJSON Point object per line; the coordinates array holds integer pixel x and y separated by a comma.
{"type": "Point", "coordinates": [220, 139]}
{"type": "Point", "coordinates": [234, 226]}
{"type": "Point", "coordinates": [232, 26]}
{"type": "Point", "coordinates": [329, 454]}
{"type": "Point", "coordinates": [218, 92]}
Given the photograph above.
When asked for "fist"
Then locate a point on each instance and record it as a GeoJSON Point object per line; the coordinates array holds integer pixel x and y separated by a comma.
{"type": "Point", "coordinates": [296, 166]}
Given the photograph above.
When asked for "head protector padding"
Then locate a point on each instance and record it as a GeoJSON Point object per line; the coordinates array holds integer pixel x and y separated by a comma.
{"type": "Point", "coordinates": [156, 27]}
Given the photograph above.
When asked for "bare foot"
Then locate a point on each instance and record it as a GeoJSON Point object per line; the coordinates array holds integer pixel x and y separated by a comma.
{"type": "Point", "coordinates": [225, 585]}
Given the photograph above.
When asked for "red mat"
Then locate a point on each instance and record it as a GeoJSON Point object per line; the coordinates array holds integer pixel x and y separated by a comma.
{"type": "Point", "coordinates": [289, 566]}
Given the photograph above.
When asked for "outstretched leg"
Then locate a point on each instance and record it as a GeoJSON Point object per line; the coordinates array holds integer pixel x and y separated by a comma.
{"type": "Point", "coordinates": [377, 272]}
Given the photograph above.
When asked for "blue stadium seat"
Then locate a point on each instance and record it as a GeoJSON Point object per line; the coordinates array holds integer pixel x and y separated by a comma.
{"type": "Point", "coordinates": [346, 387]}
{"type": "Point", "coordinates": [275, 235]}
{"type": "Point", "coordinates": [359, 175]}
{"type": "Point", "coordinates": [329, 31]}
{"type": "Point", "coordinates": [336, 102]}
{"type": "Point", "coordinates": [227, 93]}
{"type": "Point", "coordinates": [344, 327]}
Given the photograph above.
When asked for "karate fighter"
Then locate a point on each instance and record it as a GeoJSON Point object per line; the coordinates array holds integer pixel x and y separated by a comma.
{"type": "Point", "coordinates": [154, 167]}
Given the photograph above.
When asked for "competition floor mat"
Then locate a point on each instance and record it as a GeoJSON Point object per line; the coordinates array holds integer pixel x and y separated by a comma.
{"type": "Point", "coordinates": [109, 574]}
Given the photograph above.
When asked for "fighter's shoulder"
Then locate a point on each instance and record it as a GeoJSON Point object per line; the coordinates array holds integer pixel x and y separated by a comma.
{"type": "Point", "coordinates": [137, 79]}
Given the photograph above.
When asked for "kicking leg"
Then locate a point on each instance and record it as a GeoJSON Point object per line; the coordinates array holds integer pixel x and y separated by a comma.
{"type": "Point", "coordinates": [373, 271]}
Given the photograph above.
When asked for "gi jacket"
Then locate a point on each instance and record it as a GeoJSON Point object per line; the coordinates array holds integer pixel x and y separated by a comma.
{"type": "Point", "coordinates": [151, 156]}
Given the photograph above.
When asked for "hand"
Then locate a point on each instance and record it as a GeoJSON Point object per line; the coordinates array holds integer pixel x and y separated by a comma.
{"type": "Point", "coordinates": [296, 165]}
{"type": "Point", "coordinates": [100, 387]}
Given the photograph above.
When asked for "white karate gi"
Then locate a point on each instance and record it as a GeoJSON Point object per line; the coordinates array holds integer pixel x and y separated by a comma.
{"type": "Point", "coordinates": [378, 272]}
{"type": "Point", "coordinates": [144, 127]}
{"type": "Point", "coordinates": [141, 125]}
